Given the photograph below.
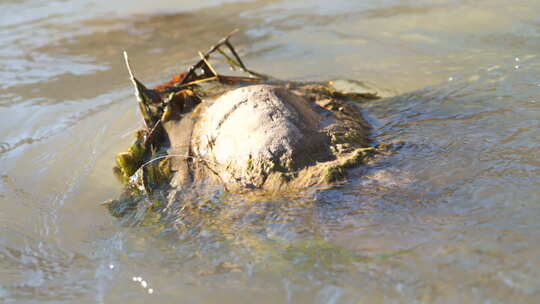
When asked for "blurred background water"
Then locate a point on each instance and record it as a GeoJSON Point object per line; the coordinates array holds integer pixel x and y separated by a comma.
{"type": "Point", "coordinates": [450, 218]}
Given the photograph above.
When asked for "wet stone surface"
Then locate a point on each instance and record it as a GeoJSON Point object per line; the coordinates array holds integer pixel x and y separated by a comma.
{"type": "Point", "coordinates": [270, 137]}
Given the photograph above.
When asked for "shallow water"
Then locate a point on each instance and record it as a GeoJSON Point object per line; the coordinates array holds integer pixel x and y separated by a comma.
{"type": "Point", "coordinates": [450, 218]}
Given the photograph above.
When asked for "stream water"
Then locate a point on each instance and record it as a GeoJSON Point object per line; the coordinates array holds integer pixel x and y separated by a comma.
{"type": "Point", "coordinates": [453, 217]}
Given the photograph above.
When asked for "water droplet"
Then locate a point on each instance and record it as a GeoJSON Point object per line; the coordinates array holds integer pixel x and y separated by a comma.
{"type": "Point", "coordinates": [150, 291]}
{"type": "Point", "coordinates": [144, 284]}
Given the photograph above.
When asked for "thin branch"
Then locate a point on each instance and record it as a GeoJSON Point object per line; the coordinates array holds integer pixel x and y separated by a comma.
{"type": "Point", "coordinates": [239, 79]}
{"type": "Point", "coordinates": [208, 64]}
{"type": "Point", "coordinates": [238, 62]}
{"type": "Point", "coordinates": [151, 134]}
{"type": "Point", "coordinates": [224, 40]}
{"type": "Point", "coordinates": [232, 63]}
{"type": "Point", "coordinates": [132, 78]}
{"type": "Point", "coordinates": [177, 155]}
{"type": "Point", "coordinates": [212, 49]}
{"type": "Point", "coordinates": [185, 85]}
{"type": "Point", "coordinates": [233, 51]}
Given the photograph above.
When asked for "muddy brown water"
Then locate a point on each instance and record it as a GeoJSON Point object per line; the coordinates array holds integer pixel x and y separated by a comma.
{"type": "Point", "coordinates": [453, 217]}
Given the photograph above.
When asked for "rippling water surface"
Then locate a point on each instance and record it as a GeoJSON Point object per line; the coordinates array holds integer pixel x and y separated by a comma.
{"type": "Point", "coordinates": [450, 218]}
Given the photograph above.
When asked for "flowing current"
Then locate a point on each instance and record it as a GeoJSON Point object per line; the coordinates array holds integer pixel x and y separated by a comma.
{"type": "Point", "coordinates": [452, 217]}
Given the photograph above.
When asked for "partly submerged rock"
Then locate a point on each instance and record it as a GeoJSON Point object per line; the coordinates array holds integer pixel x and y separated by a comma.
{"type": "Point", "coordinates": [272, 137]}
{"type": "Point", "coordinates": [206, 130]}
{"type": "Point", "coordinates": [268, 137]}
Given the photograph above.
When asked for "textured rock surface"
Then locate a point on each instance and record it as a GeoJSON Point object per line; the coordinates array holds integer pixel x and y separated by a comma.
{"type": "Point", "coordinates": [280, 137]}
{"type": "Point", "coordinates": [270, 137]}
{"type": "Point", "coordinates": [250, 132]}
